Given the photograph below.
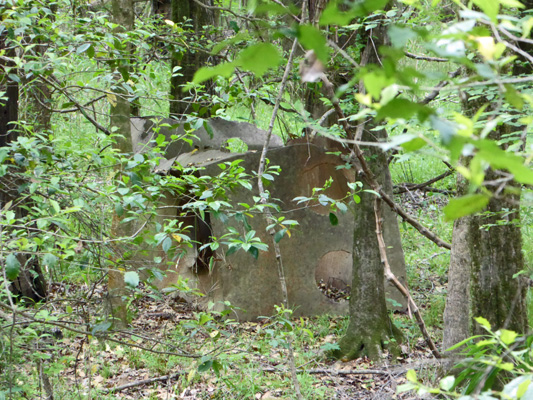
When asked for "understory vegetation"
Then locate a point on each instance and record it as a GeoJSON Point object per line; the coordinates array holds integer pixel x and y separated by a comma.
{"type": "Point", "coordinates": [90, 225]}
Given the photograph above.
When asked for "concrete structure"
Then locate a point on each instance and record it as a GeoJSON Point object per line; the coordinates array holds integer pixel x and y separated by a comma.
{"type": "Point", "coordinates": [315, 251]}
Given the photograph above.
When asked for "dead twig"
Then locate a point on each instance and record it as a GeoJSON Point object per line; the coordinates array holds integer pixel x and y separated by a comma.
{"type": "Point", "coordinates": [411, 186]}
{"type": "Point", "coordinates": [392, 278]}
{"type": "Point", "coordinates": [145, 382]}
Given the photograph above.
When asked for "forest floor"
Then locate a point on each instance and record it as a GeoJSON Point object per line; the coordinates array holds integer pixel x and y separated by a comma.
{"type": "Point", "coordinates": [173, 350]}
{"type": "Point", "coordinates": [253, 361]}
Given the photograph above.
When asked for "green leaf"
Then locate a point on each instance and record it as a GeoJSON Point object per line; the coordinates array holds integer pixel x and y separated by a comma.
{"type": "Point", "coordinates": [333, 16]}
{"type": "Point", "coordinates": [49, 260]}
{"type": "Point", "coordinates": [463, 342]}
{"type": "Point", "coordinates": [507, 337]}
{"type": "Point", "coordinates": [333, 219]}
{"type": "Point", "coordinates": [399, 36]}
{"type": "Point", "coordinates": [312, 39]}
{"type": "Point", "coordinates": [402, 108]}
{"type": "Point", "coordinates": [501, 159]}
{"type": "Point", "coordinates": [101, 327]}
{"type": "Point", "coordinates": [254, 251]}
{"type": "Point", "coordinates": [279, 235]}
{"type": "Point", "coordinates": [205, 73]}
{"type": "Point", "coordinates": [483, 322]}
{"type": "Point", "coordinates": [375, 82]}
{"type": "Point", "coordinates": [259, 58]}
{"type": "Point", "coordinates": [489, 7]}
{"type": "Point", "coordinates": [83, 48]}
{"type": "Point", "coordinates": [465, 205]}
{"type": "Point", "coordinates": [205, 366]}
{"type": "Point", "coordinates": [411, 376]}
{"type": "Point", "coordinates": [167, 243]}
{"type": "Point", "coordinates": [12, 267]}
{"type": "Point", "coordinates": [447, 382]}
{"type": "Point", "coordinates": [131, 278]}
{"type": "Point", "coordinates": [514, 97]}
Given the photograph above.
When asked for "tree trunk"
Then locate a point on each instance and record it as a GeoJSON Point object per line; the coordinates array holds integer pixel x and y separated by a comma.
{"type": "Point", "coordinates": [495, 244]}
{"type": "Point", "coordinates": [189, 60]}
{"type": "Point", "coordinates": [30, 283]}
{"type": "Point", "coordinates": [371, 330]}
{"type": "Point", "coordinates": [486, 255]}
{"type": "Point", "coordinates": [120, 113]}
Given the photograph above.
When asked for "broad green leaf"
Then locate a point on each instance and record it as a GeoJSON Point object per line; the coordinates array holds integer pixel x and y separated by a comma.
{"type": "Point", "coordinates": [511, 3]}
{"type": "Point", "coordinates": [333, 219]}
{"type": "Point", "coordinates": [333, 16]}
{"type": "Point", "coordinates": [205, 366]}
{"type": "Point", "coordinates": [465, 205]}
{"type": "Point", "coordinates": [167, 243]}
{"type": "Point", "coordinates": [408, 141]}
{"type": "Point", "coordinates": [399, 36]}
{"type": "Point", "coordinates": [131, 278]}
{"type": "Point", "coordinates": [447, 383]}
{"type": "Point", "coordinates": [402, 108]}
{"type": "Point", "coordinates": [483, 322]}
{"type": "Point", "coordinates": [514, 97]}
{"type": "Point", "coordinates": [489, 7]}
{"type": "Point", "coordinates": [375, 82]}
{"type": "Point", "coordinates": [12, 267]}
{"type": "Point", "coordinates": [259, 58]}
{"type": "Point", "coordinates": [83, 48]}
{"type": "Point", "coordinates": [205, 73]}
{"type": "Point", "coordinates": [508, 366]}
{"type": "Point", "coordinates": [519, 388]}
{"type": "Point", "coordinates": [501, 159]}
{"type": "Point", "coordinates": [411, 376]}
{"type": "Point", "coordinates": [279, 235]}
{"type": "Point", "coordinates": [49, 260]}
{"type": "Point", "coordinates": [254, 251]}
{"type": "Point", "coordinates": [312, 39]}
{"type": "Point", "coordinates": [507, 337]}
{"type": "Point", "coordinates": [101, 327]}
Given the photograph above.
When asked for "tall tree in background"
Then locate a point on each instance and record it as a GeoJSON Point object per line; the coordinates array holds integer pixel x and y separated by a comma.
{"type": "Point", "coordinates": [197, 21]}
{"type": "Point", "coordinates": [371, 330]}
{"type": "Point", "coordinates": [120, 112]}
{"type": "Point", "coordinates": [30, 282]}
{"type": "Point", "coordinates": [487, 247]}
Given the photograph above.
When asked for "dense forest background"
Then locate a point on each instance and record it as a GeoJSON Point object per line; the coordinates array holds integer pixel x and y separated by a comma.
{"type": "Point", "coordinates": [426, 103]}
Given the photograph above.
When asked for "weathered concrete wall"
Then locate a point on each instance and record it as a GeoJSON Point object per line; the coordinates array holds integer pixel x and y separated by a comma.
{"type": "Point", "coordinates": [316, 249]}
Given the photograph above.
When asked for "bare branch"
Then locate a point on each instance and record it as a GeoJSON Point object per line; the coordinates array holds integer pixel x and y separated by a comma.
{"type": "Point", "coordinates": [392, 278]}
{"type": "Point", "coordinates": [406, 187]}
{"type": "Point", "coordinates": [425, 58]}
{"type": "Point", "coordinates": [78, 106]}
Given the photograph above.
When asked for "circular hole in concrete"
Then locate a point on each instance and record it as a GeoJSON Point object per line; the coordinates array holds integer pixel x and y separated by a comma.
{"type": "Point", "coordinates": [333, 274]}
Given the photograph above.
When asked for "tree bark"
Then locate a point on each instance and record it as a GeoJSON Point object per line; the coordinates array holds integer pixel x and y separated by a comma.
{"type": "Point", "coordinates": [486, 256]}
{"type": "Point", "coordinates": [495, 244]}
{"type": "Point", "coordinates": [190, 60]}
{"type": "Point", "coordinates": [457, 310]}
{"type": "Point", "coordinates": [371, 330]}
{"type": "Point", "coordinates": [120, 113]}
{"type": "Point", "coordinates": [30, 283]}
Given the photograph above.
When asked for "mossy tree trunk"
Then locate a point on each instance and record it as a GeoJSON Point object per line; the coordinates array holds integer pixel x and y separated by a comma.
{"type": "Point", "coordinates": [486, 256]}
{"type": "Point", "coordinates": [495, 244]}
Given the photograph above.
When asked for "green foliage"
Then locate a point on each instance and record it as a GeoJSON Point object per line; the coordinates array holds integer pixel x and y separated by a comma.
{"type": "Point", "coordinates": [497, 365]}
